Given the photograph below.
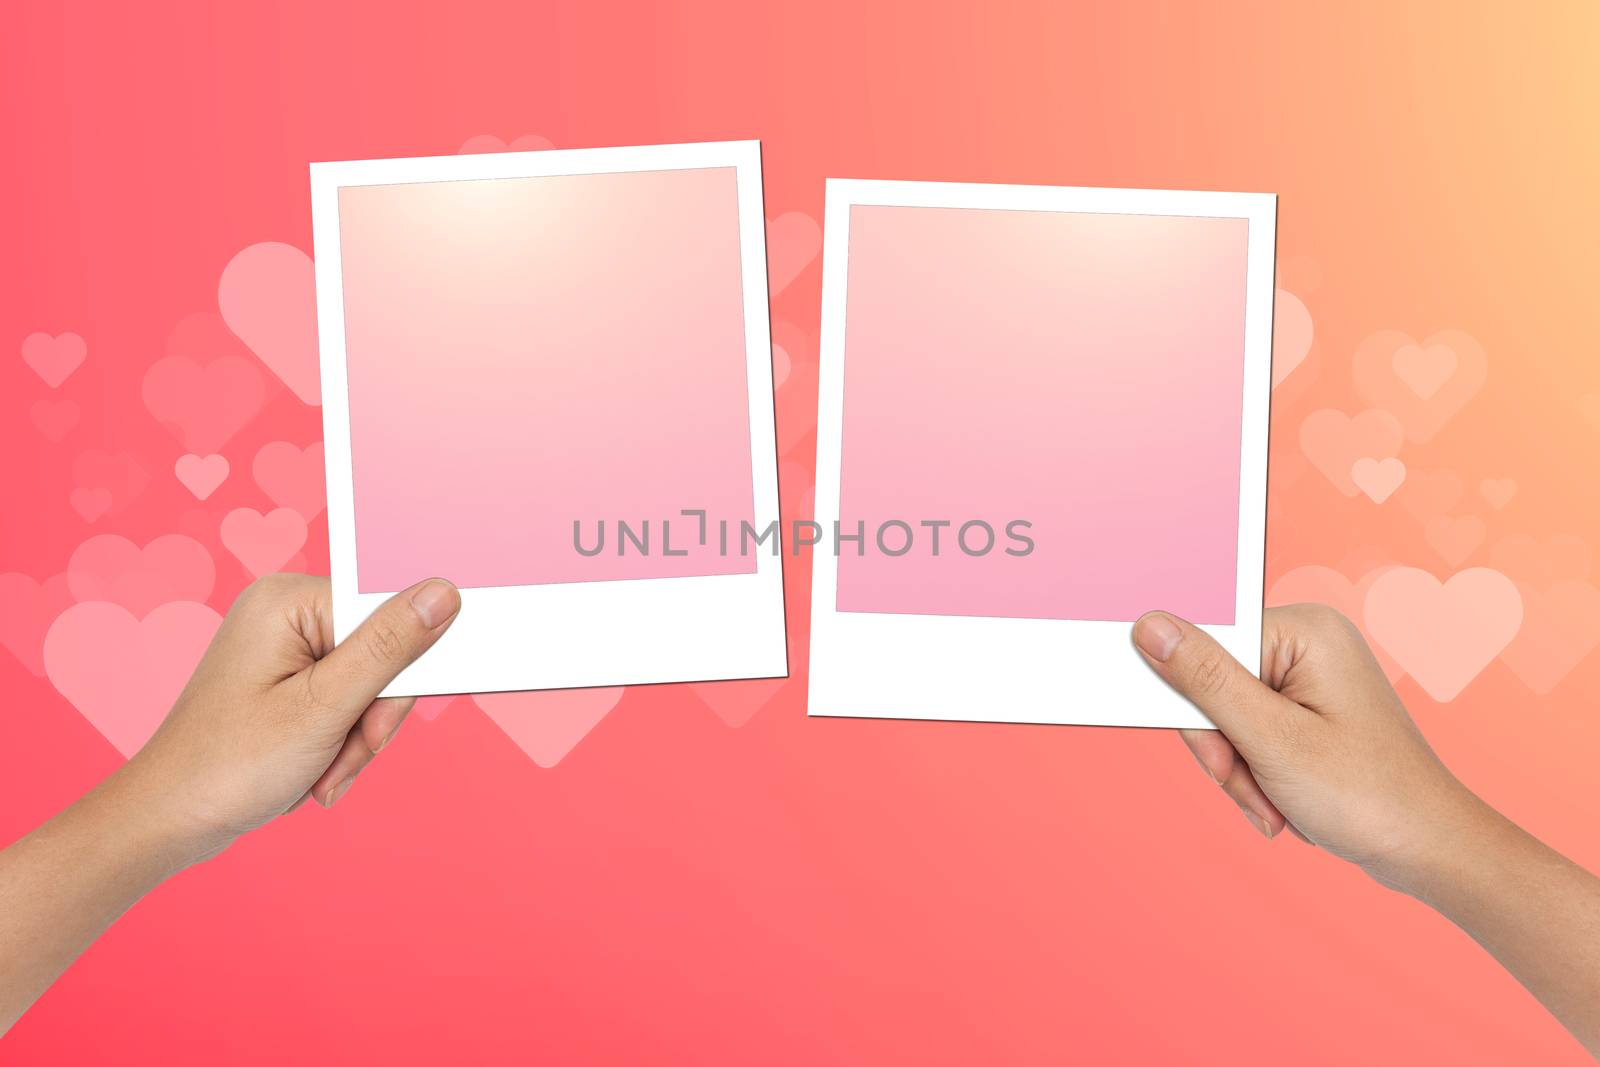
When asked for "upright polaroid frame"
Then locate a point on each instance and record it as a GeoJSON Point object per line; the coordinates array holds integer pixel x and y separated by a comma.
{"type": "Point", "coordinates": [570, 635]}
{"type": "Point", "coordinates": [873, 665]}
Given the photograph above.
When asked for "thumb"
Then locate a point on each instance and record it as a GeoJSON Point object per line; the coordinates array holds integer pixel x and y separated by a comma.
{"type": "Point", "coordinates": [403, 627]}
{"type": "Point", "coordinates": [1248, 711]}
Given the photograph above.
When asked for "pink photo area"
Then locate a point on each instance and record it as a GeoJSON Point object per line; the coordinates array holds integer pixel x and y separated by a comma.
{"type": "Point", "coordinates": [524, 354]}
{"type": "Point", "coordinates": [1080, 372]}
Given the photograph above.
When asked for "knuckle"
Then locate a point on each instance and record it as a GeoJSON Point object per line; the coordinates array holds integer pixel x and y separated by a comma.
{"type": "Point", "coordinates": [383, 642]}
{"type": "Point", "coordinates": [1332, 618]}
{"type": "Point", "coordinates": [1350, 633]}
{"type": "Point", "coordinates": [1209, 675]}
{"type": "Point", "coordinates": [1318, 614]}
{"type": "Point", "coordinates": [1328, 622]}
{"type": "Point", "coordinates": [269, 593]}
{"type": "Point", "coordinates": [266, 588]}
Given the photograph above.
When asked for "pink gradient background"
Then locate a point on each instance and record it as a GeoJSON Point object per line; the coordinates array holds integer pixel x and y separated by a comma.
{"type": "Point", "coordinates": [1083, 372]}
{"type": "Point", "coordinates": [525, 353]}
{"type": "Point", "coordinates": [803, 892]}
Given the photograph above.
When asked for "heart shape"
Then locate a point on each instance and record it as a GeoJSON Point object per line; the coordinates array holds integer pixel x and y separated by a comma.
{"type": "Point", "coordinates": [54, 418]}
{"type": "Point", "coordinates": [268, 298]}
{"type": "Point", "coordinates": [123, 673]}
{"type": "Point", "coordinates": [201, 475]}
{"type": "Point", "coordinates": [203, 406]}
{"type": "Point", "coordinates": [54, 359]}
{"type": "Point", "coordinates": [488, 142]}
{"type": "Point", "coordinates": [263, 543]}
{"type": "Point", "coordinates": [90, 503]}
{"type": "Point", "coordinates": [1561, 627]}
{"type": "Point", "coordinates": [114, 569]}
{"type": "Point", "coordinates": [1425, 369]}
{"type": "Point", "coordinates": [1334, 441]}
{"type": "Point", "coordinates": [1455, 538]}
{"type": "Point", "coordinates": [1323, 585]}
{"type": "Point", "coordinates": [291, 476]}
{"type": "Point", "coordinates": [1291, 334]}
{"type": "Point", "coordinates": [430, 708]}
{"type": "Point", "coordinates": [736, 703]}
{"type": "Point", "coordinates": [30, 607]}
{"type": "Point", "coordinates": [1422, 384]}
{"type": "Point", "coordinates": [1378, 478]}
{"type": "Point", "coordinates": [548, 724]}
{"type": "Point", "coordinates": [1498, 491]}
{"type": "Point", "coordinates": [112, 482]}
{"type": "Point", "coordinates": [1443, 633]}
{"type": "Point", "coordinates": [793, 241]}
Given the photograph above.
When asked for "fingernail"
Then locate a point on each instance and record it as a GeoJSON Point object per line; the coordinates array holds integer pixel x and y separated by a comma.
{"type": "Point", "coordinates": [338, 791]}
{"type": "Point", "coordinates": [1260, 824]}
{"type": "Point", "coordinates": [435, 601]}
{"type": "Point", "coordinates": [1157, 635]}
{"type": "Point", "coordinates": [1215, 778]}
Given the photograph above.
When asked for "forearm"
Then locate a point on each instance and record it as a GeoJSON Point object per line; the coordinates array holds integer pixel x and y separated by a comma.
{"type": "Point", "coordinates": [65, 883]}
{"type": "Point", "coordinates": [1531, 908]}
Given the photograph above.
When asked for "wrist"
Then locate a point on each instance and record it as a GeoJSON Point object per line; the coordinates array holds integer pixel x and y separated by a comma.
{"type": "Point", "coordinates": [155, 818]}
{"type": "Point", "coordinates": [1449, 836]}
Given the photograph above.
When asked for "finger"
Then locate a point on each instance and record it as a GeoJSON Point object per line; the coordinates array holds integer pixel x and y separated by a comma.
{"type": "Point", "coordinates": [375, 729]}
{"type": "Point", "coordinates": [1262, 813]}
{"type": "Point", "coordinates": [1279, 649]}
{"type": "Point", "coordinates": [1320, 657]}
{"type": "Point", "coordinates": [1191, 661]}
{"type": "Point", "coordinates": [315, 619]}
{"type": "Point", "coordinates": [341, 773]}
{"type": "Point", "coordinates": [350, 677]}
{"type": "Point", "coordinates": [1229, 771]}
{"type": "Point", "coordinates": [1213, 750]}
{"type": "Point", "coordinates": [380, 722]}
{"type": "Point", "coordinates": [267, 626]}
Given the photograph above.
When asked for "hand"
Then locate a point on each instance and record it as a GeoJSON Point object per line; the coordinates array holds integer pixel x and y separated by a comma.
{"type": "Point", "coordinates": [275, 714]}
{"type": "Point", "coordinates": [1320, 743]}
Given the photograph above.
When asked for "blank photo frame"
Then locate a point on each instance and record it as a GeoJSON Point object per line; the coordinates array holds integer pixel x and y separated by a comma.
{"type": "Point", "coordinates": [1043, 412]}
{"type": "Point", "coordinates": [547, 377]}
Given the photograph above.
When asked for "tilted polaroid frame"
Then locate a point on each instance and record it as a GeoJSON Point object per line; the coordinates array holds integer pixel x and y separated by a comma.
{"type": "Point", "coordinates": [873, 665]}
{"type": "Point", "coordinates": [576, 634]}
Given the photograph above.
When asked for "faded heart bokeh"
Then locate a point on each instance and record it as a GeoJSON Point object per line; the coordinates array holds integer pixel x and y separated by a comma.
{"type": "Point", "coordinates": [701, 874]}
{"type": "Point", "coordinates": [209, 414]}
{"type": "Point", "coordinates": [1474, 594]}
{"type": "Point", "coordinates": [1485, 589]}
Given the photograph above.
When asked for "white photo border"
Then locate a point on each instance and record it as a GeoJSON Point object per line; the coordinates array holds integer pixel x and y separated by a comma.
{"type": "Point", "coordinates": [981, 669]}
{"type": "Point", "coordinates": [570, 635]}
